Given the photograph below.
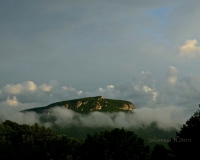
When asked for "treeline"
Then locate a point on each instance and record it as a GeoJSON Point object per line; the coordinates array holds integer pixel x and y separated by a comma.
{"type": "Point", "coordinates": [22, 142]}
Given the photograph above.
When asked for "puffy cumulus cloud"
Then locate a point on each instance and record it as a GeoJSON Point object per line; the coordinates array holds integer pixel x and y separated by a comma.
{"type": "Point", "coordinates": [46, 88]}
{"type": "Point", "coordinates": [189, 49]}
{"type": "Point", "coordinates": [145, 90]}
{"type": "Point", "coordinates": [70, 92]}
{"type": "Point", "coordinates": [163, 102]}
{"type": "Point", "coordinates": [180, 91]}
{"type": "Point", "coordinates": [31, 86]}
{"type": "Point", "coordinates": [155, 94]}
{"type": "Point", "coordinates": [20, 87]}
{"type": "Point", "coordinates": [13, 89]}
{"type": "Point", "coordinates": [142, 90]}
{"type": "Point", "coordinates": [109, 91]}
{"type": "Point", "coordinates": [29, 92]}
{"type": "Point", "coordinates": [139, 90]}
{"type": "Point", "coordinates": [25, 92]}
{"type": "Point", "coordinates": [12, 101]}
{"type": "Point", "coordinates": [80, 92]}
{"type": "Point", "coordinates": [110, 86]}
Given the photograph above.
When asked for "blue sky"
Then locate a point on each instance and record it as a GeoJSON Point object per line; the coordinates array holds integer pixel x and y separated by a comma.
{"type": "Point", "coordinates": [146, 52]}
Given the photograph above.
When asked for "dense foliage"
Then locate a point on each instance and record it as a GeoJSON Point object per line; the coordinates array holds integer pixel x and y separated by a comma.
{"type": "Point", "coordinates": [146, 133]}
{"type": "Point", "coordinates": [86, 105]}
{"type": "Point", "coordinates": [185, 144]}
{"type": "Point", "coordinates": [161, 153]}
{"type": "Point", "coordinates": [34, 142]}
{"type": "Point", "coordinates": [22, 142]}
{"type": "Point", "coordinates": [116, 144]}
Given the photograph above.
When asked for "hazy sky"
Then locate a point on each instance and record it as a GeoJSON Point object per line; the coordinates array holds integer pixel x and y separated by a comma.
{"type": "Point", "coordinates": [144, 51]}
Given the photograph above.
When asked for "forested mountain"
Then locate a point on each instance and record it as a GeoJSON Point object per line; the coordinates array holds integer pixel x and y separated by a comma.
{"type": "Point", "coordinates": [22, 142]}
{"type": "Point", "coordinates": [87, 105]}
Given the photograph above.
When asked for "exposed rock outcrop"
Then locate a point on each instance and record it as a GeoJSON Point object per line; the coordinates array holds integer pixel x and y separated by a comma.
{"type": "Point", "coordinates": [88, 104]}
{"type": "Point", "coordinates": [98, 107]}
{"type": "Point", "coordinates": [79, 103]}
{"type": "Point", "coordinates": [85, 102]}
{"type": "Point", "coordinates": [100, 98]}
{"type": "Point", "coordinates": [127, 106]}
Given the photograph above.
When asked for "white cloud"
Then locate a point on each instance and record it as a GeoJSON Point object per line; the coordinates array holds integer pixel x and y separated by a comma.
{"type": "Point", "coordinates": [20, 87]}
{"type": "Point", "coordinates": [110, 86]}
{"type": "Point", "coordinates": [108, 90]}
{"type": "Point", "coordinates": [10, 113]}
{"type": "Point", "coordinates": [189, 49]}
{"type": "Point", "coordinates": [80, 92]}
{"type": "Point", "coordinates": [101, 89]}
{"type": "Point", "coordinates": [69, 92]}
{"type": "Point", "coordinates": [68, 88]}
{"type": "Point", "coordinates": [46, 88]}
{"type": "Point", "coordinates": [142, 90]}
{"type": "Point", "coordinates": [31, 86]}
{"type": "Point", "coordinates": [164, 117]}
{"type": "Point", "coordinates": [13, 89]}
{"type": "Point", "coordinates": [154, 93]}
{"type": "Point", "coordinates": [12, 102]}
{"type": "Point", "coordinates": [154, 102]}
{"type": "Point", "coordinates": [146, 89]}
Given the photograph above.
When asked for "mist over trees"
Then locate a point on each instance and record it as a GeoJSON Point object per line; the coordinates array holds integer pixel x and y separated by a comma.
{"type": "Point", "coordinates": [22, 142]}
{"type": "Point", "coordinates": [37, 142]}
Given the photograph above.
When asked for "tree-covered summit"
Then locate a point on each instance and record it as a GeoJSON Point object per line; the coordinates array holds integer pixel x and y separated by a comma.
{"type": "Point", "coordinates": [87, 105]}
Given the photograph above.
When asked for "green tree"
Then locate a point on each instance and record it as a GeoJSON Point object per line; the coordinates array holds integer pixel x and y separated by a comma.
{"type": "Point", "coordinates": [115, 144]}
{"type": "Point", "coordinates": [185, 144]}
{"type": "Point", "coordinates": [22, 142]}
{"type": "Point", "coordinates": [160, 152]}
{"type": "Point", "coordinates": [6, 149]}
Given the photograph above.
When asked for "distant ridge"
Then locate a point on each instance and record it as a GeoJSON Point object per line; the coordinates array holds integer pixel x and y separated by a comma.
{"type": "Point", "coordinates": [87, 105]}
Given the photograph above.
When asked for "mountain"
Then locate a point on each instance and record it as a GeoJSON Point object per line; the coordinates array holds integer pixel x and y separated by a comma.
{"type": "Point", "coordinates": [87, 105]}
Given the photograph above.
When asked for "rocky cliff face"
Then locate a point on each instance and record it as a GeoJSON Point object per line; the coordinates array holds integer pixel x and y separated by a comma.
{"type": "Point", "coordinates": [127, 106]}
{"type": "Point", "coordinates": [89, 104]}
{"type": "Point", "coordinates": [102, 103]}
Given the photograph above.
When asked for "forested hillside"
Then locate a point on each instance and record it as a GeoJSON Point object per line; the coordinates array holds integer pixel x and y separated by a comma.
{"type": "Point", "coordinates": [87, 105]}
{"type": "Point", "coordinates": [22, 142]}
